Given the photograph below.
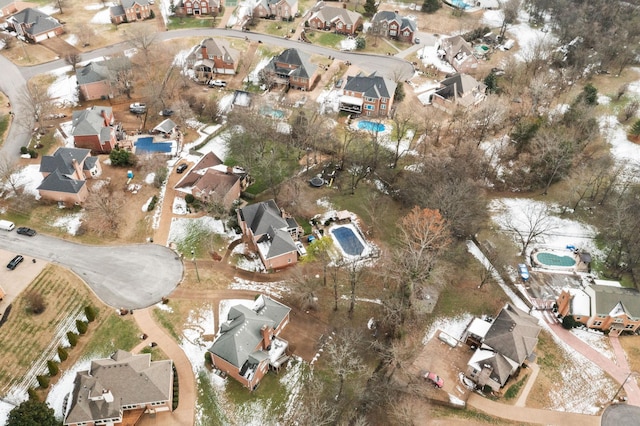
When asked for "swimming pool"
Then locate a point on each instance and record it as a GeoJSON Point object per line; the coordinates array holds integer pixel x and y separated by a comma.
{"type": "Point", "coordinates": [371, 126]}
{"type": "Point", "coordinates": [274, 113]}
{"type": "Point", "coordinates": [348, 240]}
{"type": "Point", "coordinates": [550, 259]}
{"type": "Point", "coordinates": [146, 144]}
{"type": "Point", "coordinates": [457, 3]}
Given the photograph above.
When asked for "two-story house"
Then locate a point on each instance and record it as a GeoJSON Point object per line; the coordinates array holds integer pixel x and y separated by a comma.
{"type": "Point", "coordinates": [211, 57]}
{"type": "Point", "coordinates": [65, 174]}
{"type": "Point", "coordinates": [501, 346]}
{"type": "Point", "coordinates": [34, 25]}
{"type": "Point", "coordinates": [271, 233]}
{"type": "Point", "coordinates": [278, 9]}
{"type": "Point", "coordinates": [458, 90]}
{"type": "Point", "coordinates": [114, 386]}
{"type": "Point", "coordinates": [210, 181]}
{"type": "Point", "coordinates": [104, 79]}
{"type": "Point", "coordinates": [93, 129]}
{"type": "Point", "coordinates": [392, 25]}
{"type": "Point", "coordinates": [371, 95]}
{"type": "Point", "coordinates": [247, 343]}
{"type": "Point", "coordinates": [337, 19]}
{"type": "Point", "coordinates": [293, 68]}
{"type": "Point", "coordinates": [130, 11]}
{"type": "Point", "coordinates": [197, 7]}
{"type": "Point", "coordinates": [459, 53]}
{"type": "Point", "coordinates": [603, 305]}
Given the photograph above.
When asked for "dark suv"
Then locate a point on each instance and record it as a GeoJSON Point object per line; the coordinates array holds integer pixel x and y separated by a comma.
{"type": "Point", "coordinates": [181, 168]}
{"type": "Point", "coordinates": [15, 262]}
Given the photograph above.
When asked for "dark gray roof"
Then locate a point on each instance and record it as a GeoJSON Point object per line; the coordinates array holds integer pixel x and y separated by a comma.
{"type": "Point", "coordinates": [460, 83]}
{"type": "Point", "coordinates": [371, 86]}
{"type": "Point", "coordinates": [101, 70]}
{"type": "Point", "coordinates": [389, 16]}
{"type": "Point", "coordinates": [261, 216]}
{"type": "Point", "coordinates": [300, 60]}
{"type": "Point", "coordinates": [62, 160]}
{"type": "Point", "coordinates": [608, 297]}
{"type": "Point", "coordinates": [280, 242]}
{"type": "Point", "coordinates": [90, 121]}
{"type": "Point", "coordinates": [240, 335]}
{"type": "Point", "coordinates": [36, 22]}
{"type": "Point", "coordinates": [58, 182]}
{"type": "Point", "coordinates": [514, 334]}
{"type": "Point", "coordinates": [215, 48]}
{"type": "Point", "coordinates": [131, 379]}
{"type": "Point", "coordinates": [117, 10]}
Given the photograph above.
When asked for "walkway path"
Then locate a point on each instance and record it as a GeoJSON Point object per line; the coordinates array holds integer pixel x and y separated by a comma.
{"type": "Point", "coordinates": [530, 415]}
{"type": "Point", "coordinates": [522, 399]}
{"type": "Point", "coordinates": [185, 413]}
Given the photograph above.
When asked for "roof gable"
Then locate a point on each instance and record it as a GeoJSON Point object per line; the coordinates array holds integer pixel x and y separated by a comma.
{"type": "Point", "coordinates": [35, 21]}
{"type": "Point", "coordinates": [615, 300]}
{"type": "Point", "coordinates": [260, 217]}
{"type": "Point", "coordinates": [90, 121]}
{"type": "Point", "coordinates": [514, 334]}
{"type": "Point", "coordinates": [58, 182]}
{"type": "Point", "coordinates": [333, 14]}
{"type": "Point", "coordinates": [371, 86]}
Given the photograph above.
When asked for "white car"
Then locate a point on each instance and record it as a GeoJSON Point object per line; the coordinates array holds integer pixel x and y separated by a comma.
{"type": "Point", "coordinates": [218, 83]}
{"type": "Point", "coordinates": [301, 250]}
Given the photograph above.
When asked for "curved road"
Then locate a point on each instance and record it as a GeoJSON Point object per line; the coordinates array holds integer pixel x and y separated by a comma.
{"type": "Point", "coordinates": [132, 276]}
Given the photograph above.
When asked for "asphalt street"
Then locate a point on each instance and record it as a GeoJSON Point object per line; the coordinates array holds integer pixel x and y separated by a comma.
{"type": "Point", "coordinates": [131, 276]}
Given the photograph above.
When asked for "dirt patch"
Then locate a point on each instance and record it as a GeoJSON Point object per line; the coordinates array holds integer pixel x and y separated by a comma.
{"type": "Point", "coordinates": [631, 346]}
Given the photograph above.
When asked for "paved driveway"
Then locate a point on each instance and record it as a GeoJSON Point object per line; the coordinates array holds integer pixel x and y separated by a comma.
{"type": "Point", "coordinates": [132, 276]}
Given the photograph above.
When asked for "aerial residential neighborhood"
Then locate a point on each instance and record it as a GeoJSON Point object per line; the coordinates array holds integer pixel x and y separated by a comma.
{"type": "Point", "coordinates": [288, 212]}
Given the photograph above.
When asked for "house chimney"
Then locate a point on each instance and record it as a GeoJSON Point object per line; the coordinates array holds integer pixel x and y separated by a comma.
{"type": "Point", "coordinates": [78, 169]}
{"type": "Point", "coordinates": [266, 336]}
{"type": "Point", "coordinates": [103, 113]}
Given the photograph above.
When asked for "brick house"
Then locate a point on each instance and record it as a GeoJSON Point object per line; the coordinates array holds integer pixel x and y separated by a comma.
{"type": "Point", "coordinates": [122, 383]}
{"type": "Point", "coordinates": [130, 11]}
{"type": "Point", "coordinates": [459, 89]}
{"type": "Point", "coordinates": [197, 7]}
{"type": "Point", "coordinates": [337, 19]}
{"type": "Point", "coordinates": [211, 181]}
{"type": "Point", "coordinates": [93, 129]}
{"type": "Point", "coordinates": [371, 95]}
{"type": "Point", "coordinates": [65, 174]}
{"type": "Point", "coordinates": [392, 25]}
{"type": "Point", "coordinates": [459, 53]}
{"type": "Point", "coordinates": [293, 68]}
{"type": "Point", "coordinates": [502, 346]}
{"type": "Point", "coordinates": [247, 344]}
{"type": "Point", "coordinates": [34, 25]}
{"type": "Point", "coordinates": [103, 79]}
{"type": "Point", "coordinates": [211, 57]}
{"type": "Point", "coordinates": [271, 233]}
{"type": "Point", "coordinates": [278, 9]}
{"type": "Point", "coordinates": [603, 305]}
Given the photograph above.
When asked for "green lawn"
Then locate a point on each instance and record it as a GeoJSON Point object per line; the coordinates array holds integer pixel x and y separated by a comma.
{"type": "Point", "coordinates": [187, 22]}
{"type": "Point", "coordinates": [324, 38]}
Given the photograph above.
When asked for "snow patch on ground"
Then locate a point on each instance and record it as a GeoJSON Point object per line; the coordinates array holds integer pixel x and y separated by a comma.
{"type": "Point", "coordinates": [622, 149]}
{"type": "Point", "coordinates": [102, 17]}
{"type": "Point", "coordinates": [70, 222]}
{"type": "Point", "coordinates": [180, 227]}
{"type": "Point", "coordinates": [274, 289]}
{"type": "Point", "coordinates": [454, 327]}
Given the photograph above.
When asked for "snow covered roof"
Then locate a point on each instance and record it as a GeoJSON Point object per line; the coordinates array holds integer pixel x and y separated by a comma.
{"type": "Point", "coordinates": [478, 327]}
{"type": "Point", "coordinates": [580, 302]}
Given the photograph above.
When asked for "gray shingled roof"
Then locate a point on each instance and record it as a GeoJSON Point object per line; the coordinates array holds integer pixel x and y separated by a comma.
{"type": "Point", "coordinates": [62, 160]}
{"type": "Point", "coordinates": [216, 48]}
{"type": "Point", "coordinates": [128, 4]}
{"type": "Point", "coordinates": [332, 14]}
{"type": "Point", "coordinates": [281, 242]}
{"type": "Point", "coordinates": [460, 83]}
{"type": "Point", "coordinates": [166, 126]}
{"type": "Point", "coordinates": [372, 86]}
{"type": "Point", "coordinates": [117, 10]}
{"type": "Point", "coordinates": [131, 379]}
{"type": "Point", "coordinates": [389, 16]}
{"type": "Point", "coordinates": [301, 61]}
{"type": "Point", "coordinates": [101, 70]}
{"type": "Point", "coordinates": [36, 22]}
{"type": "Point", "coordinates": [58, 182]}
{"type": "Point", "coordinates": [514, 334]}
{"type": "Point", "coordinates": [240, 335]}
{"type": "Point", "coordinates": [90, 121]}
{"type": "Point", "coordinates": [261, 216]}
{"type": "Point", "coordinates": [607, 297]}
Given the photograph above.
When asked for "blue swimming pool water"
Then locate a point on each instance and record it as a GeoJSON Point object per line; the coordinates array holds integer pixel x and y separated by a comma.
{"type": "Point", "coordinates": [147, 145]}
{"type": "Point", "coordinates": [371, 126]}
{"type": "Point", "coordinates": [348, 240]}
{"type": "Point", "coordinates": [551, 259]}
{"type": "Point", "coordinates": [458, 3]}
{"type": "Point", "coordinates": [275, 113]}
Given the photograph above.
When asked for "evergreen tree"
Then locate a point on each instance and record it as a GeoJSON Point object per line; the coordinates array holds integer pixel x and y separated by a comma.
{"type": "Point", "coordinates": [431, 6]}
{"type": "Point", "coordinates": [32, 413]}
{"type": "Point", "coordinates": [635, 129]}
{"type": "Point", "coordinates": [370, 8]}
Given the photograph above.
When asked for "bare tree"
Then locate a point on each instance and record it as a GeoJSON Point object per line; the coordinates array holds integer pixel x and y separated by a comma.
{"type": "Point", "coordinates": [9, 174]}
{"type": "Point", "coordinates": [312, 409]}
{"type": "Point", "coordinates": [356, 272]}
{"type": "Point", "coordinates": [510, 10]}
{"type": "Point", "coordinates": [85, 33]}
{"type": "Point", "coordinates": [104, 207]}
{"type": "Point", "coordinates": [630, 109]}
{"type": "Point", "coordinates": [402, 121]}
{"type": "Point", "coordinates": [533, 224]}
{"type": "Point", "coordinates": [141, 37]}
{"type": "Point", "coordinates": [344, 356]}
{"type": "Point", "coordinates": [72, 59]}
{"type": "Point", "coordinates": [37, 103]}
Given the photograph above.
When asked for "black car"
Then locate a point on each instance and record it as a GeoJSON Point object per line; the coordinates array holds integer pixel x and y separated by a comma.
{"type": "Point", "coordinates": [15, 262]}
{"type": "Point", "coordinates": [23, 230]}
{"type": "Point", "coordinates": [166, 112]}
{"type": "Point", "coordinates": [181, 168]}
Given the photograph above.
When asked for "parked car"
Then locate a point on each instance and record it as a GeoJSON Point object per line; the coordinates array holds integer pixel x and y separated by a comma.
{"type": "Point", "coordinates": [416, 40]}
{"type": "Point", "coordinates": [300, 247]}
{"type": "Point", "coordinates": [339, 83]}
{"type": "Point", "coordinates": [166, 112]}
{"type": "Point", "coordinates": [23, 230]}
{"type": "Point", "coordinates": [15, 262]}
{"type": "Point", "coordinates": [218, 83]}
{"type": "Point", "coordinates": [434, 378]}
{"type": "Point", "coordinates": [181, 168]}
{"type": "Point", "coordinates": [524, 272]}
{"type": "Point", "coordinates": [138, 108]}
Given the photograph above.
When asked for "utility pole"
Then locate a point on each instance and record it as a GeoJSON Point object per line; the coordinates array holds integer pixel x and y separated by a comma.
{"type": "Point", "coordinates": [193, 258]}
